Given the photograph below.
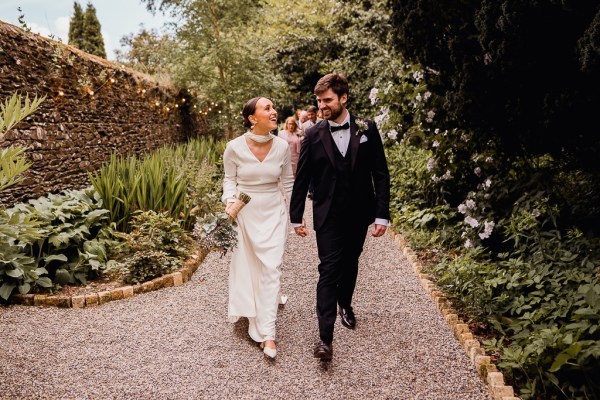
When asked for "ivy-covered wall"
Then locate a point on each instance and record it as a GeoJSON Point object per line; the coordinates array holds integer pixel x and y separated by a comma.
{"type": "Point", "coordinates": [93, 108]}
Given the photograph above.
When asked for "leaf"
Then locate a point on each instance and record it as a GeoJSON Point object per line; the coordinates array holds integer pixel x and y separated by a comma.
{"type": "Point", "coordinates": [44, 282]}
{"type": "Point", "coordinates": [24, 288]}
{"type": "Point", "coordinates": [55, 257]}
{"type": "Point", "coordinates": [63, 277]}
{"type": "Point", "coordinates": [14, 273]}
{"type": "Point", "coordinates": [561, 359]}
{"type": "Point", "coordinates": [6, 289]}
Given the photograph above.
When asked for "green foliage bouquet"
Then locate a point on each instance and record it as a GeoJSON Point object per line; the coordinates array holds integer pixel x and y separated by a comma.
{"type": "Point", "coordinates": [217, 231]}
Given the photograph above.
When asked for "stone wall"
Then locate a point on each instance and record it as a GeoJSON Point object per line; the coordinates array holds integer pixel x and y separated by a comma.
{"type": "Point", "coordinates": [93, 108]}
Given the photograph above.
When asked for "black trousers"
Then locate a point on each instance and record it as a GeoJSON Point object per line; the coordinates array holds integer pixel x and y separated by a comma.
{"type": "Point", "coordinates": [340, 242]}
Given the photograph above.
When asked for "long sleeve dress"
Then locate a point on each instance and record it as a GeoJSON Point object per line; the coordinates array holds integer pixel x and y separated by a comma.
{"type": "Point", "coordinates": [255, 269]}
{"type": "Point", "coordinates": [294, 141]}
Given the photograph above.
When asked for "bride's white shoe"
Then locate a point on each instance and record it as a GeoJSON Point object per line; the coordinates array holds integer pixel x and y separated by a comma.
{"type": "Point", "coordinates": [269, 352]}
{"type": "Point", "coordinates": [283, 299]}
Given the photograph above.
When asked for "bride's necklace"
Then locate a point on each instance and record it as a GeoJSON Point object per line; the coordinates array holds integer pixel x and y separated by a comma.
{"type": "Point", "coordinates": [259, 138]}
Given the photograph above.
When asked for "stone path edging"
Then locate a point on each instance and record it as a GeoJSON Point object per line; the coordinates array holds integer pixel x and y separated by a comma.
{"type": "Point", "coordinates": [488, 371]}
{"type": "Point", "coordinates": [94, 299]}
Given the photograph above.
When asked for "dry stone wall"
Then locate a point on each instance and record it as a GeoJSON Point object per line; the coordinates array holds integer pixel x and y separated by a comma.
{"type": "Point", "coordinates": [93, 108]}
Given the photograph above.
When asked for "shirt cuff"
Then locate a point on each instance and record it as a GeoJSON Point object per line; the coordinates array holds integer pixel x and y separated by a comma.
{"type": "Point", "coordinates": [381, 221]}
{"type": "Point", "coordinates": [296, 225]}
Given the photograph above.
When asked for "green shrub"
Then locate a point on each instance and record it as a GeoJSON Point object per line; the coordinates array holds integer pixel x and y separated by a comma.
{"type": "Point", "coordinates": [416, 203]}
{"type": "Point", "coordinates": [158, 243]}
{"type": "Point", "coordinates": [60, 239]}
{"type": "Point", "coordinates": [544, 296]}
{"type": "Point", "coordinates": [144, 266]}
{"type": "Point", "coordinates": [152, 231]}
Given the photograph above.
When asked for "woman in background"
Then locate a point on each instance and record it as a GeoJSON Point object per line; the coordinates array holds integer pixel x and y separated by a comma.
{"type": "Point", "coordinates": [293, 136]}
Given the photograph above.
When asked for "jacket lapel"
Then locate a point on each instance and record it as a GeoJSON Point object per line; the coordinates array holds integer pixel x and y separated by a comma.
{"type": "Point", "coordinates": [354, 141]}
{"type": "Point", "coordinates": [327, 142]}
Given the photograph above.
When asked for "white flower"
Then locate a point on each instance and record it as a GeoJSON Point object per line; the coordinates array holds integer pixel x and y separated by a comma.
{"type": "Point", "coordinates": [488, 227]}
{"type": "Point", "coordinates": [472, 222]}
{"type": "Point", "coordinates": [388, 88]}
{"type": "Point", "coordinates": [427, 95]}
{"type": "Point", "coordinates": [418, 75]}
{"type": "Point", "coordinates": [381, 119]}
{"type": "Point", "coordinates": [462, 208]}
{"type": "Point", "coordinates": [468, 244]}
{"type": "Point", "coordinates": [437, 130]}
{"type": "Point", "coordinates": [470, 204]}
{"type": "Point", "coordinates": [464, 137]}
{"type": "Point", "coordinates": [488, 183]}
{"type": "Point", "coordinates": [373, 95]}
{"type": "Point", "coordinates": [362, 126]}
{"type": "Point", "coordinates": [535, 213]}
{"type": "Point", "coordinates": [430, 164]}
{"type": "Point", "coordinates": [489, 159]}
{"type": "Point", "coordinates": [435, 143]}
{"type": "Point", "coordinates": [477, 171]}
{"type": "Point", "coordinates": [447, 175]}
{"type": "Point", "coordinates": [393, 134]}
{"type": "Point", "coordinates": [487, 58]}
{"type": "Point", "coordinates": [430, 114]}
{"type": "Point", "coordinates": [418, 97]}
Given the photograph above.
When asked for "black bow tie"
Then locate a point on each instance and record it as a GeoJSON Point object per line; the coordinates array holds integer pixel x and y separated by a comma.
{"type": "Point", "coordinates": [339, 127]}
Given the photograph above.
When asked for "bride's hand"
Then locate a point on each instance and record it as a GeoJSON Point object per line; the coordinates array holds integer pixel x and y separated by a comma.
{"type": "Point", "coordinates": [228, 210]}
{"type": "Point", "coordinates": [301, 230]}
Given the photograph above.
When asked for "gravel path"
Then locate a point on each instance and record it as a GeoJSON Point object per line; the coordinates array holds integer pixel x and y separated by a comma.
{"type": "Point", "coordinates": [175, 343]}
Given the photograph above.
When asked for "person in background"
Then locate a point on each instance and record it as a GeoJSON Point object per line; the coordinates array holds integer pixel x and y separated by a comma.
{"type": "Point", "coordinates": [311, 112]}
{"type": "Point", "coordinates": [258, 164]}
{"type": "Point", "coordinates": [303, 119]}
{"type": "Point", "coordinates": [292, 134]}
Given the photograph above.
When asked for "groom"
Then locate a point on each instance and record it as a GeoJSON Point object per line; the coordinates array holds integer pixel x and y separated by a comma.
{"type": "Point", "coordinates": [343, 156]}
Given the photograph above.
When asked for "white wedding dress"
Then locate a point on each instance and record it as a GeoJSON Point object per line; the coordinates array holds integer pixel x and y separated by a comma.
{"type": "Point", "coordinates": [262, 225]}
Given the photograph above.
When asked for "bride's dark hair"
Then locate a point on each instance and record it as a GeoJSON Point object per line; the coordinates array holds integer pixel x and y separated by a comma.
{"type": "Point", "coordinates": [250, 109]}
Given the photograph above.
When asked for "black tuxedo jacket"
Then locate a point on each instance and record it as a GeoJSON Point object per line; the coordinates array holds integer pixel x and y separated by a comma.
{"type": "Point", "coordinates": [370, 176]}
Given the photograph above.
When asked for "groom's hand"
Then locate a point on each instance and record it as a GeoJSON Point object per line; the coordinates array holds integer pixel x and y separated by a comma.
{"type": "Point", "coordinates": [301, 230]}
{"type": "Point", "coordinates": [378, 230]}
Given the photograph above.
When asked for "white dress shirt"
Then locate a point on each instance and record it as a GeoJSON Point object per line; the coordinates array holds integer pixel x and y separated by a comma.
{"type": "Point", "coordinates": [342, 136]}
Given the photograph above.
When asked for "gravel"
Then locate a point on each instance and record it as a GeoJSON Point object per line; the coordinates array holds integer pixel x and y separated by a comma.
{"type": "Point", "coordinates": [175, 343]}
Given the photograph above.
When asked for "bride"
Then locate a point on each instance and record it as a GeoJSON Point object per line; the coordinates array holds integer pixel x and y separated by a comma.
{"type": "Point", "coordinates": [256, 163]}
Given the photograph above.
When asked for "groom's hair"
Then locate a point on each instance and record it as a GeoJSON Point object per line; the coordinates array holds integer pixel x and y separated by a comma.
{"type": "Point", "coordinates": [336, 82]}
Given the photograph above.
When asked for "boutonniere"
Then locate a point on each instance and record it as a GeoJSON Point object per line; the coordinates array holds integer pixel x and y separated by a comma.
{"type": "Point", "coordinates": [362, 126]}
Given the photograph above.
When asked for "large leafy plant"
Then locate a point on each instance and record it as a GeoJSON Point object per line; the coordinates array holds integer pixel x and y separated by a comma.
{"type": "Point", "coordinates": [17, 231]}
{"type": "Point", "coordinates": [75, 237]}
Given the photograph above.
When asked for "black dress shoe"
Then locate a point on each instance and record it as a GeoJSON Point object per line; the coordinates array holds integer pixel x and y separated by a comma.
{"type": "Point", "coordinates": [324, 351]}
{"type": "Point", "coordinates": [348, 318]}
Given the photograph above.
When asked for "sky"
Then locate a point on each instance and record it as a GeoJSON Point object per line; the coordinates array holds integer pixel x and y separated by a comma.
{"type": "Point", "coordinates": [117, 18]}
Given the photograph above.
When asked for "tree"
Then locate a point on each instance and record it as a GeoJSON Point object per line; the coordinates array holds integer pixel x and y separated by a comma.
{"type": "Point", "coordinates": [220, 56]}
{"type": "Point", "coordinates": [93, 42]}
{"type": "Point", "coordinates": [509, 73]}
{"type": "Point", "coordinates": [76, 27]}
{"type": "Point", "coordinates": [147, 51]}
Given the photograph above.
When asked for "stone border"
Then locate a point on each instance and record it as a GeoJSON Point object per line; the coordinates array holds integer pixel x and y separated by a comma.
{"type": "Point", "coordinates": [94, 299]}
{"type": "Point", "coordinates": [488, 371]}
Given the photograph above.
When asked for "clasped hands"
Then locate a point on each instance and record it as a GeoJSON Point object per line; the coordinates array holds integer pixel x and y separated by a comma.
{"type": "Point", "coordinates": [302, 230]}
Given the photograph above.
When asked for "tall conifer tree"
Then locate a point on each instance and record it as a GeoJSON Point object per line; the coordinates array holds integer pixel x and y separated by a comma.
{"type": "Point", "coordinates": [93, 42]}
{"type": "Point", "coordinates": [76, 27]}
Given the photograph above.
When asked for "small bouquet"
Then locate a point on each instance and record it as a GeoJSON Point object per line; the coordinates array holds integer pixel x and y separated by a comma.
{"type": "Point", "coordinates": [217, 231]}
